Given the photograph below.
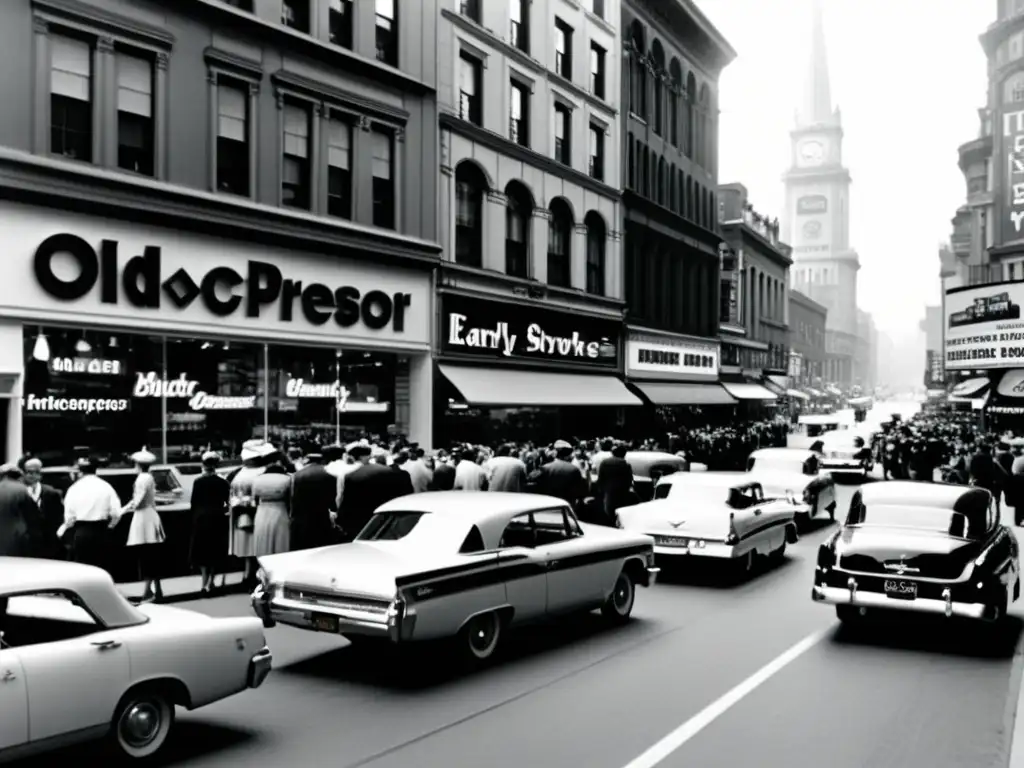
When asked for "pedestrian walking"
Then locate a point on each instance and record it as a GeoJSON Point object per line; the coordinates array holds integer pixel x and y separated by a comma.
{"type": "Point", "coordinates": [17, 513]}
{"type": "Point", "coordinates": [243, 505]}
{"type": "Point", "coordinates": [208, 544]}
{"type": "Point", "coordinates": [50, 512]}
{"type": "Point", "coordinates": [614, 484]}
{"type": "Point", "coordinates": [272, 525]}
{"type": "Point", "coordinates": [505, 472]}
{"type": "Point", "coordinates": [313, 495]}
{"type": "Point", "coordinates": [92, 510]}
{"type": "Point", "coordinates": [146, 533]}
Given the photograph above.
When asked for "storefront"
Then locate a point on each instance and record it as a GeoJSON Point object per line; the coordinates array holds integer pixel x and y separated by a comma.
{"type": "Point", "coordinates": [518, 371]}
{"type": "Point", "coordinates": [119, 336]}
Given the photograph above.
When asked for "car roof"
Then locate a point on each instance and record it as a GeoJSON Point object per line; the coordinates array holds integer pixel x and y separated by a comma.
{"type": "Point", "coordinates": [789, 453]}
{"type": "Point", "coordinates": [19, 575]}
{"type": "Point", "coordinates": [473, 506]}
{"type": "Point", "coordinates": [711, 479]}
{"type": "Point", "coordinates": [907, 493]}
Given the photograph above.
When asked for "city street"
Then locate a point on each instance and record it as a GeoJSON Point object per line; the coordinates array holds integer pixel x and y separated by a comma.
{"type": "Point", "coordinates": [582, 694]}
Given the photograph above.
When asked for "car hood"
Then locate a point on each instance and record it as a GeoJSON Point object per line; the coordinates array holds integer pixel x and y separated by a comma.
{"type": "Point", "coordinates": [668, 517]}
{"type": "Point", "coordinates": [934, 555]}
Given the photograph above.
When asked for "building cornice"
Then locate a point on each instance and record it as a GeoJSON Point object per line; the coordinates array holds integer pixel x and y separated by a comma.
{"type": "Point", "coordinates": [763, 245]}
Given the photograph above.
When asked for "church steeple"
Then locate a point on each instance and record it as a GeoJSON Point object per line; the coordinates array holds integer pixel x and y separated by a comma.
{"type": "Point", "coordinates": [816, 108]}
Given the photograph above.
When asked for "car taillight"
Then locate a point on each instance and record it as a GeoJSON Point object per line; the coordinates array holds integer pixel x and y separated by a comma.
{"type": "Point", "coordinates": [733, 537]}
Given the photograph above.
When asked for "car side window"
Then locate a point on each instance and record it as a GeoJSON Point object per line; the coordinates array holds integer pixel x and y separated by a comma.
{"type": "Point", "coordinates": [662, 490]}
{"type": "Point", "coordinates": [519, 532]}
{"type": "Point", "coordinates": [44, 617]}
{"type": "Point", "coordinates": [474, 542]}
{"type": "Point", "coordinates": [551, 526]}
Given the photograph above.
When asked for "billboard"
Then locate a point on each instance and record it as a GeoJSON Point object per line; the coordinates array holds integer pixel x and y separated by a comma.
{"type": "Point", "coordinates": [811, 204]}
{"type": "Point", "coordinates": [1012, 213]}
{"type": "Point", "coordinates": [984, 327]}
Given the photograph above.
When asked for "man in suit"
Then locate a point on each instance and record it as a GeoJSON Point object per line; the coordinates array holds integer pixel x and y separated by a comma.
{"type": "Point", "coordinates": [365, 489]}
{"type": "Point", "coordinates": [49, 513]}
{"type": "Point", "coordinates": [313, 495]}
{"type": "Point", "coordinates": [614, 483]}
{"type": "Point", "coordinates": [444, 473]}
{"type": "Point", "coordinates": [505, 472]}
{"type": "Point", "coordinates": [17, 513]}
{"type": "Point", "coordinates": [560, 477]}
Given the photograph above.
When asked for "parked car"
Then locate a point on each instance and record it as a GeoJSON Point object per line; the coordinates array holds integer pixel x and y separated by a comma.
{"type": "Point", "coordinates": [456, 564]}
{"type": "Point", "coordinates": [794, 474]}
{"type": "Point", "coordinates": [648, 466]}
{"type": "Point", "coordinates": [920, 547]}
{"type": "Point", "coordinates": [846, 451]}
{"type": "Point", "coordinates": [78, 661]}
{"type": "Point", "coordinates": [720, 516]}
{"type": "Point", "coordinates": [189, 471]}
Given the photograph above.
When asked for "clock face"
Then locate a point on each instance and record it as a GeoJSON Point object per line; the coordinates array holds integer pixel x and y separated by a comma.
{"type": "Point", "coordinates": [812, 152]}
{"type": "Point", "coordinates": [812, 230]}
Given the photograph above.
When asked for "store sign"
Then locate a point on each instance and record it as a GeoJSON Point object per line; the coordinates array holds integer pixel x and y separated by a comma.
{"type": "Point", "coordinates": [934, 374]}
{"type": "Point", "coordinates": [130, 275]}
{"type": "Point", "coordinates": [506, 331]}
{"type": "Point", "coordinates": [984, 328]}
{"type": "Point", "coordinates": [1013, 144]}
{"type": "Point", "coordinates": [89, 365]}
{"type": "Point", "coordinates": [1012, 384]}
{"type": "Point", "coordinates": [672, 357]}
{"type": "Point", "coordinates": [300, 389]}
{"type": "Point", "coordinates": [811, 204]}
{"type": "Point", "coordinates": [151, 385]}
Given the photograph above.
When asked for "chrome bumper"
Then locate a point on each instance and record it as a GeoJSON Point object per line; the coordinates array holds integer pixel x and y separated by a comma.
{"type": "Point", "coordinates": [273, 610]}
{"type": "Point", "coordinates": [947, 607]}
{"type": "Point", "coordinates": [711, 551]}
{"type": "Point", "coordinates": [259, 667]}
{"type": "Point", "coordinates": [843, 465]}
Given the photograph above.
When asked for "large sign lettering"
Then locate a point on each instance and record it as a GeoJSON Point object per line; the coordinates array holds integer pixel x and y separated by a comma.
{"type": "Point", "coordinates": [671, 358]}
{"type": "Point", "coordinates": [300, 389]}
{"type": "Point", "coordinates": [89, 365]}
{"type": "Point", "coordinates": [222, 290]}
{"type": "Point", "coordinates": [984, 328]}
{"type": "Point", "coordinates": [151, 385]}
{"type": "Point", "coordinates": [1013, 144]}
{"type": "Point", "coordinates": [811, 204]}
{"type": "Point", "coordinates": [507, 331]}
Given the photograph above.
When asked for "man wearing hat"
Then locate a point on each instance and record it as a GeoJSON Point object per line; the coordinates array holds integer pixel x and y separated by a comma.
{"type": "Point", "coordinates": [91, 509]}
{"type": "Point", "coordinates": [419, 472]}
{"type": "Point", "coordinates": [50, 514]}
{"type": "Point", "coordinates": [18, 514]}
{"type": "Point", "coordinates": [312, 498]}
{"type": "Point", "coordinates": [560, 477]}
{"type": "Point", "coordinates": [365, 489]}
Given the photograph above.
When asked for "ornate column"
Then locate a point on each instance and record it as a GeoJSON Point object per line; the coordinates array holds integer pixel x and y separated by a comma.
{"type": "Point", "coordinates": [104, 113]}
{"type": "Point", "coordinates": [578, 258]}
{"type": "Point", "coordinates": [161, 116]}
{"type": "Point", "coordinates": [41, 94]}
{"type": "Point", "coordinates": [495, 225]}
{"type": "Point", "coordinates": [539, 244]}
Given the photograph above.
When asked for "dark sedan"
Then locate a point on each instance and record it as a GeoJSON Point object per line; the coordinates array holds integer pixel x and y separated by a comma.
{"type": "Point", "coordinates": [920, 547]}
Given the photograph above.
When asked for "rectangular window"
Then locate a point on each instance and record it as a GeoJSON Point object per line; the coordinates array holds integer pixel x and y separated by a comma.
{"type": "Point", "coordinates": [563, 49]}
{"type": "Point", "coordinates": [519, 24]}
{"type": "Point", "coordinates": [470, 89]}
{"type": "Point", "coordinates": [563, 134]}
{"type": "Point", "coordinates": [295, 14]}
{"type": "Point", "coordinates": [232, 139]}
{"type": "Point", "coordinates": [387, 32]}
{"type": "Point", "coordinates": [71, 98]}
{"type": "Point", "coordinates": [383, 179]}
{"type": "Point", "coordinates": [597, 152]}
{"type": "Point", "coordinates": [597, 8]}
{"type": "Point", "coordinates": [339, 169]}
{"type": "Point", "coordinates": [295, 192]}
{"type": "Point", "coordinates": [134, 114]}
{"type": "Point", "coordinates": [597, 70]}
{"type": "Point", "coordinates": [470, 9]}
{"type": "Point", "coordinates": [340, 23]}
{"type": "Point", "coordinates": [519, 114]}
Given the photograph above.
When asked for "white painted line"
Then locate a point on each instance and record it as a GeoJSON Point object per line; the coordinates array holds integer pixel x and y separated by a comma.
{"type": "Point", "coordinates": [719, 707]}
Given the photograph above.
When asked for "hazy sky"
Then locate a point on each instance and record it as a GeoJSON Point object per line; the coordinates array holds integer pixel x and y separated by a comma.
{"type": "Point", "coordinates": [909, 76]}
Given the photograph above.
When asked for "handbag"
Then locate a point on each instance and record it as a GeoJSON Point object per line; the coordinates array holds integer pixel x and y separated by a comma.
{"type": "Point", "coordinates": [244, 522]}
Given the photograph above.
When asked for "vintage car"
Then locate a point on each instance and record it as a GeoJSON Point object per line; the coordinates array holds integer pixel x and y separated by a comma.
{"type": "Point", "coordinates": [794, 474]}
{"type": "Point", "coordinates": [648, 466]}
{"type": "Point", "coordinates": [78, 661]}
{"type": "Point", "coordinates": [456, 564]}
{"type": "Point", "coordinates": [922, 547]}
{"type": "Point", "coordinates": [720, 516]}
{"type": "Point", "coordinates": [846, 451]}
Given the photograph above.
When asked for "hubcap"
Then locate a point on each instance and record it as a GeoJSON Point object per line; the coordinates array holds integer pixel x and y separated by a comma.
{"type": "Point", "coordinates": [621, 594]}
{"type": "Point", "coordinates": [140, 724]}
{"type": "Point", "coordinates": [482, 634]}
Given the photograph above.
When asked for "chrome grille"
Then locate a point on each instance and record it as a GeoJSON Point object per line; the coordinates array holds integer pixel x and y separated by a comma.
{"type": "Point", "coordinates": [341, 602]}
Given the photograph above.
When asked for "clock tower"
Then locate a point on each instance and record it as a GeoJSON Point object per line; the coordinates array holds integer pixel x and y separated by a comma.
{"type": "Point", "coordinates": [817, 217]}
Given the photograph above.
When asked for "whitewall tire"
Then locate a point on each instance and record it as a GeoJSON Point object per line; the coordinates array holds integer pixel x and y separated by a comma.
{"type": "Point", "coordinates": [142, 723]}
{"type": "Point", "coordinates": [481, 635]}
{"type": "Point", "coordinates": [619, 605]}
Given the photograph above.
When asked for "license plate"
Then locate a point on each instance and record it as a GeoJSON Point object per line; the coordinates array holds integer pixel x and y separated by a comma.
{"type": "Point", "coordinates": [673, 541]}
{"type": "Point", "coordinates": [324, 623]}
{"type": "Point", "coordinates": [900, 590]}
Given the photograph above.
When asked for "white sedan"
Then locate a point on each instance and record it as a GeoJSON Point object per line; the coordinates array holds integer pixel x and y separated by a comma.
{"type": "Point", "coordinates": [794, 474]}
{"type": "Point", "coordinates": [78, 661]}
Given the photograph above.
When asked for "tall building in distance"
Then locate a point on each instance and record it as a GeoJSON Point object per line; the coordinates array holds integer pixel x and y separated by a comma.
{"type": "Point", "coordinates": [817, 217]}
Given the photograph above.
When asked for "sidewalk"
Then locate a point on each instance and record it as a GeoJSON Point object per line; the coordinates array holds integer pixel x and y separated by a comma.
{"type": "Point", "coordinates": [183, 588]}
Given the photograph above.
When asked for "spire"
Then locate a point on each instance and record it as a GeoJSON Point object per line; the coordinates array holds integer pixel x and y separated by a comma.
{"type": "Point", "coordinates": [816, 107]}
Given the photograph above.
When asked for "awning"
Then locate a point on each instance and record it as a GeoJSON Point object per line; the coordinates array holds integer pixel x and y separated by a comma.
{"type": "Point", "coordinates": [856, 402]}
{"type": "Point", "coordinates": [814, 392]}
{"type": "Point", "coordinates": [834, 391]}
{"type": "Point", "coordinates": [772, 387]}
{"type": "Point", "coordinates": [667, 393]}
{"type": "Point", "coordinates": [748, 391]}
{"type": "Point", "coordinates": [971, 388]}
{"type": "Point", "coordinates": [782, 382]}
{"type": "Point", "coordinates": [798, 394]}
{"type": "Point", "coordinates": [512, 387]}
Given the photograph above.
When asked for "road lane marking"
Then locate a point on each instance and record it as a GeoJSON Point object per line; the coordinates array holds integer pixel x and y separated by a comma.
{"type": "Point", "coordinates": [719, 707]}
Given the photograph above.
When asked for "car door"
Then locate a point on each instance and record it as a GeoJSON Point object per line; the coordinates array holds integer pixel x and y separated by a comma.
{"type": "Point", "coordinates": [575, 577]}
{"type": "Point", "coordinates": [526, 580]}
{"type": "Point", "coordinates": [75, 669]}
{"type": "Point", "coordinates": [13, 700]}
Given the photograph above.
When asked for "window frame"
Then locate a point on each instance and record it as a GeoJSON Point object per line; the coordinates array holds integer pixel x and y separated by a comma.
{"type": "Point", "coordinates": [141, 55]}
{"type": "Point", "coordinates": [393, 32]}
{"type": "Point", "coordinates": [531, 525]}
{"type": "Point", "coordinates": [392, 134]}
{"type": "Point", "coordinates": [349, 17]}
{"type": "Point", "coordinates": [599, 79]}
{"type": "Point", "coordinates": [332, 115]}
{"type": "Point", "coordinates": [563, 119]}
{"type": "Point", "coordinates": [478, 63]}
{"type": "Point", "coordinates": [312, 109]}
{"type": "Point", "coordinates": [563, 59]}
{"type": "Point", "coordinates": [523, 87]}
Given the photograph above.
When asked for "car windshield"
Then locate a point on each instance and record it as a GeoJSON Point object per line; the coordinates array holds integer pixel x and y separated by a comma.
{"type": "Point", "coordinates": [925, 519]}
{"type": "Point", "coordinates": [389, 526]}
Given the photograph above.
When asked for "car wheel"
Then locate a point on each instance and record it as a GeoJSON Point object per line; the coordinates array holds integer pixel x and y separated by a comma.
{"type": "Point", "coordinates": [142, 723]}
{"type": "Point", "coordinates": [619, 605]}
{"type": "Point", "coordinates": [481, 636]}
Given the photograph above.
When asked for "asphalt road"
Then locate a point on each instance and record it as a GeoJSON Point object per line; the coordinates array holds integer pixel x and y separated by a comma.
{"type": "Point", "coordinates": [676, 687]}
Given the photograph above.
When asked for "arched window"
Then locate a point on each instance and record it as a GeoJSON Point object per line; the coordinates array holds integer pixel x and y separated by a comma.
{"type": "Point", "coordinates": [638, 71]}
{"type": "Point", "coordinates": [675, 75]}
{"type": "Point", "coordinates": [658, 64]}
{"type": "Point", "coordinates": [704, 133]}
{"type": "Point", "coordinates": [560, 243]}
{"type": "Point", "coordinates": [470, 188]}
{"type": "Point", "coordinates": [688, 114]}
{"type": "Point", "coordinates": [661, 181]}
{"type": "Point", "coordinates": [518, 217]}
{"type": "Point", "coordinates": [596, 235]}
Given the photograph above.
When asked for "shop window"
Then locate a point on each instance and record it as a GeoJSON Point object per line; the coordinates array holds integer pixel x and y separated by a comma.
{"type": "Point", "coordinates": [134, 114]}
{"type": "Point", "coordinates": [470, 187]}
{"type": "Point", "coordinates": [71, 98]}
{"type": "Point", "coordinates": [340, 23]}
{"type": "Point", "coordinates": [387, 32]}
{"type": "Point", "coordinates": [233, 171]}
{"type": "Point", "coordinates": [321, 396]}
{"type": "Point", "coordinates": [339, 169]}
{"type": "Point", "coordinates": [295, 191]}
{"type": "Point", "coordinates": [383, 178]}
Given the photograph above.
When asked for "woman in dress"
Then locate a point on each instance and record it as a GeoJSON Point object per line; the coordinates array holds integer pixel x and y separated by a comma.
{"type": "Point", "coordinates": [146, 533]}
{"type": "Point", "coordinates": [272, 491]}
{"type": "Point", "coordinates": [243, 506]}
{"type": "Point", "coordinates": [210, 494]}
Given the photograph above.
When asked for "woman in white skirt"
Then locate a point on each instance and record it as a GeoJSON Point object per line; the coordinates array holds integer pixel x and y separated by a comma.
{"type": "Point", "coordinates": [242, 505]}
{"type": "Point", "coordinates": [146, 533]}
